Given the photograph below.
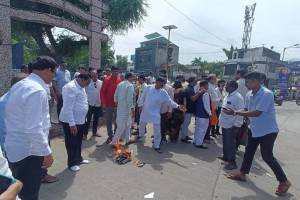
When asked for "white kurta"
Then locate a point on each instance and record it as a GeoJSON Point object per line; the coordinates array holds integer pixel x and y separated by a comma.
{"type": "Point", "coordinates": [152, 100]}
{"type": "Point", "coordinates": [124, 97]}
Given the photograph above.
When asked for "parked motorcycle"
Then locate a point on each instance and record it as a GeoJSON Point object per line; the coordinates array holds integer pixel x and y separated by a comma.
{"type": "Point", "coordinates": [298, 98]}
{"type": "Point", "coordinates": [278, 100]}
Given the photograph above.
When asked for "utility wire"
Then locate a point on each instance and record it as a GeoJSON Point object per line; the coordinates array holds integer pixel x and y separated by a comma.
{"type": "Point", "coordinates": [194, 22]}
{"type": "Point", "coordinates": [195, 40]}
{"type": "Point", "coordinates": [202, 53]}
{"type": "Point", "coordinates": [186, 37]}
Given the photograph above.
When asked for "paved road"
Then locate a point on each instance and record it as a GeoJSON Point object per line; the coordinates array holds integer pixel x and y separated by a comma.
{"type": "Point", "coordinates": [182, 172]}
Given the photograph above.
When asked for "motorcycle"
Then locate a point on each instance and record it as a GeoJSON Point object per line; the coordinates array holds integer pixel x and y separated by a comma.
{"type": "Point", "coordinates": [298, 98]}
{"type": "Point", "coordinates": [278, 100]}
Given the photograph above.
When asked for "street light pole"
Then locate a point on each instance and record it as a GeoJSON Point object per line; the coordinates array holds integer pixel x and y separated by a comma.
{"type": "Point", "coordinates": [169, 28]}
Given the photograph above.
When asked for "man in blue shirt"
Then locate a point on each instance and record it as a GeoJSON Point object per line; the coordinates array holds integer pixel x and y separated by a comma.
{"type": "Point", "coordinates": [259, 108]}
{"type": "Point", "coordinates": [62, 77]}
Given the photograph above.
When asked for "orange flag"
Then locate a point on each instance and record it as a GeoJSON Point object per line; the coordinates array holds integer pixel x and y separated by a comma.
{"type": "Point", "coordinates": [214, 118]}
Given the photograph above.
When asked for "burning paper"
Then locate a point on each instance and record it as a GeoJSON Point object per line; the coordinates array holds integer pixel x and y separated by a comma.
{"type": "Point", "coordinates": [121, 155]}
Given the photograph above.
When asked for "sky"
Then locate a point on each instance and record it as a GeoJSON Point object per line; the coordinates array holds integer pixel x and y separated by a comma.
{"type": "Point", "coordinates": [211, 25]}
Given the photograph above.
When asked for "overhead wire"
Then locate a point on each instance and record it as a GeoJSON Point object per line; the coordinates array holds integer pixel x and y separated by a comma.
{"type": "Point", "coordinates": [194, 22]}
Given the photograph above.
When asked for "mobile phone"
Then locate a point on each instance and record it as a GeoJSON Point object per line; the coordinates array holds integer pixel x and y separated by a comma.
{"type": "Point", "coordinates": [5, 182]}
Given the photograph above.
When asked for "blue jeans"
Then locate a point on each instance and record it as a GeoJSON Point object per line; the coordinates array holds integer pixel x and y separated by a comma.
{"type": "Point", "coordinates": [229, 143]}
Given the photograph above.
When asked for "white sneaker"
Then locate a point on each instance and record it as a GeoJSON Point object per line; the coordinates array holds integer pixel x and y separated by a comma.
{"type": "Point", "coordinates": [75, 168]}
{"type": "Point", "coordinates": [85, 162]}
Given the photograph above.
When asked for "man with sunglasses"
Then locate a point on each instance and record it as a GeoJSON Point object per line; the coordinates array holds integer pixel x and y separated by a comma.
{"type": "Point", "coordinates": [95, 110]}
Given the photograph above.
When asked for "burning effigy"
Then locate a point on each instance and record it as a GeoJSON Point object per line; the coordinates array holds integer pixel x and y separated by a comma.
{"type": "Point", "coordinates": [121, 155]}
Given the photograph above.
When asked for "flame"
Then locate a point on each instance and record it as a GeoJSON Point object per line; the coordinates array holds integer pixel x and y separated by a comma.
{"type": "Point", "coordinates": [121, 151]}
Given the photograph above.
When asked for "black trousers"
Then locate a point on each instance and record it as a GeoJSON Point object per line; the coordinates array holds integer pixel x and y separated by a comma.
{"type": "Point", "coordinates": [163, 124]}
{"type": "Point", "coordinates": [73, 144]}
{"type": "Point", "coordinates": [207, 134]}
{"type": "Point", "coordinates": [59, 104]}
{"type": "Point", "coordinates": [266, 148]}
{"type": "Point", "coordinates": [29, 172]}
{"type": "Point", "coordinates": [96, 112]}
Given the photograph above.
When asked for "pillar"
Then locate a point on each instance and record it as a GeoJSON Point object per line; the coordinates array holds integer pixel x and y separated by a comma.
{"type": "Point", "coordinates": [5, 46]}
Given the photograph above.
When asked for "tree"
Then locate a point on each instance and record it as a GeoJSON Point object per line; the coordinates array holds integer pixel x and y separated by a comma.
{"type": "Point", "coordinates": [125, 14]}
{"type": "Point", "coordinates": [122, 62]}
{"type": "Point", "coordinates": [229, 52]}
{"type": "Point", "coordinates": [213, 67]}
{"type": "Point", "coordinates": [122, 15]}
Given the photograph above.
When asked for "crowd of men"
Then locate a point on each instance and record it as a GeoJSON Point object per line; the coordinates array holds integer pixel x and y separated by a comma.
{"type": "Point", "coordinates": [128, 102]}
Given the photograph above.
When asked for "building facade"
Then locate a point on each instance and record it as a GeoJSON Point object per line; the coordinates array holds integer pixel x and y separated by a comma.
{"type": "Point", "coordinates": [259, 59]}
{"type": "Point", "coordinates": [152, 55]}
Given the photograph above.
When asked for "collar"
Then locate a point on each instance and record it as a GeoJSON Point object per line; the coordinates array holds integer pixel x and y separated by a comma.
{"type": "Point", "coordinates": [233, 93]}
{"type": "Point", "coordinates": [61, 69]}
{"type": "Point", "coordinates": [38, 79]}
{"type": "Point", "coordinates": [258, 92]}
{"type": "Point", "coordinates": [77, 84]}
{"type": "Point", "coordinates": [241, 80]}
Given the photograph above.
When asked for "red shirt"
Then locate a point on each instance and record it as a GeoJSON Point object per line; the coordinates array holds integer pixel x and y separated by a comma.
{"type": "Point", "coordinates": [108, 89]}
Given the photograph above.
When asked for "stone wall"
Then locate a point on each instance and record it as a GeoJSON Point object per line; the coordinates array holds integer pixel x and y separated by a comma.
{"type": "Point", "coordinates": [5, 46]}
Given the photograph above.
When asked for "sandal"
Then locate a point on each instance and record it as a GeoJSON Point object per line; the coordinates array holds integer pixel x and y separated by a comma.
{"type": "Point", "coordinates": [236, 177]}
{"type": "Point", "coordinates": [283, 188]}
{"type": "Point", "coordinates": [49, 179]}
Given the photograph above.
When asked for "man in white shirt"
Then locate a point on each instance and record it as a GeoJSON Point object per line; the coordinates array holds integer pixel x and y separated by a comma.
{"type": "Point", "coordinates": [27, 124]}
{"type": "Point", "coordinates": [72, 116]}
{"type": "Point", "coordinates": [95, 110]}
{"type": "Point", "coordinates": [221, 94]}
{"type": "Point", "coordinates": [212, 80]}
{"type": "Point", "coordinates": [123, 98]}
{"type": "Point", "coordinates": [152, 100]}
{"type": "Point", "coordinates": [240, 78]}
{"type": "Point", "coordinates": [231, 124]}
{"type": "Point", "coordinates": [142, 85]}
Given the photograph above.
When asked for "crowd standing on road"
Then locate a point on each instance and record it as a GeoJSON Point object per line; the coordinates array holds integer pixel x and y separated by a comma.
{"type": "Point", "coordinates": [233, 108]}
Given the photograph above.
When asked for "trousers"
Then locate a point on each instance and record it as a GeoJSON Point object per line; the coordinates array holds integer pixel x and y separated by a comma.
{"type": "Point", "coordinates": [266, 148]}
{"type": "Point", "coordinates": [185, 125]}
{"type": "Point", "coordinates": [122, 132]}
{"type": "Point", "coordinates": [200, 130]}
{"type": "Point", "coordinates": [96, 112]}
{"type": "Point", "coordinates": [110, 119]}
{"type": "Point", "coordinates": [29, 172]}
{"type": "Point", "coordinates": [73, 144]}
{"type": "Point", "coordinates": [157, 134]}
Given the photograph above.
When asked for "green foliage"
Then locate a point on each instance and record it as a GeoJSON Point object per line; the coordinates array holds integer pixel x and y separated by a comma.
{"type": "Point", "coordinates": [122, 15]}
{"type": "Point", "coordinates": [125, 14]}
{"type": "Point", "coordinates": [79, 57]}
{"type": "Point", "coordinates": [122, 62]}
{"type": "Point", "coordinates": [31, 49]}
{"type": "Point", "coordinates": [213, 67]}
{"type": "Point", "coordinates": [107, 55]}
